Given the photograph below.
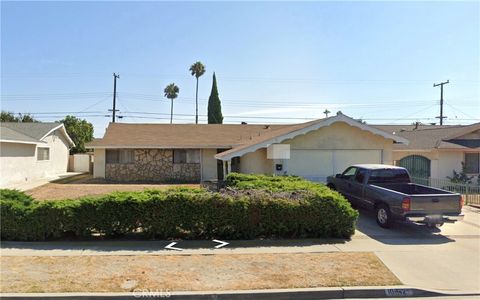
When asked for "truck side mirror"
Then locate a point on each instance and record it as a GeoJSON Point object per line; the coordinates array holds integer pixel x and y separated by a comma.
{"type": "Point", "coordinates": [338, 176]}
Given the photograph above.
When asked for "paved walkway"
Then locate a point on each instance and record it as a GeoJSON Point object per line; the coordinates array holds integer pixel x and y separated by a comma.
{"type": "Point", "coordinates": [39, 182]}
{"type": "Point", "coordinates": [444, 259]}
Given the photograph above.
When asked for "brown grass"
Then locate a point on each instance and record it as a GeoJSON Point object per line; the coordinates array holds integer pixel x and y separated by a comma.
{"type": "Point", "coordinates": [55, 191]}
{"type": "Point", "coordinates": [192, 272]}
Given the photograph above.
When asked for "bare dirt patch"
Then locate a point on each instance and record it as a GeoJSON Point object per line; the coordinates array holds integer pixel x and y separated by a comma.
{"type": "Point", "coordinates": [55, 191]}
{"type": "Point", "coordinates": [192, 272]}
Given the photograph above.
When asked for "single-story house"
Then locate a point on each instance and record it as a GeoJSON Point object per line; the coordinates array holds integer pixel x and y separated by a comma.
{"type": "Point", "coordinates": [32, 151]}
{"type": "Point", "coordinates": [435, 151]}
{"type": "Point", "coordinates": [189, 152]}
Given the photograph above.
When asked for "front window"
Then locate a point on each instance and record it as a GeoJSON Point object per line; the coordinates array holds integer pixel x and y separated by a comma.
{"type": "Point", "coordinates": [122, 156]}
{"type": "Point", "coordinates": [472, 163]}
{"type": "Point", "coordinates": [186, 156]}
{"type": "Point", "coordinates": [43, 153]}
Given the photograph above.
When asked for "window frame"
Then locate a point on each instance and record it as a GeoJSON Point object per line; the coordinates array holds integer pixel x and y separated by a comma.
{"type": "Point", "coordinates": [119, 156]}
{"type": "Point", "coordinates": [478, 162]}
{"type": "Point", "coordinates": [48, 153]}
{"type": "Point", "coordinates": [185, 157]}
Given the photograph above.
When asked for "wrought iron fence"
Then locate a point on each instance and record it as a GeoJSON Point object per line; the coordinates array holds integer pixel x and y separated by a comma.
{"type": "Point", "coordinates": [470, 191]}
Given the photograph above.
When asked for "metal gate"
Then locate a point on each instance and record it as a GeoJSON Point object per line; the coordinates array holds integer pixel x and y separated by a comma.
{"type": "Point", "coordinates": [417, 165]}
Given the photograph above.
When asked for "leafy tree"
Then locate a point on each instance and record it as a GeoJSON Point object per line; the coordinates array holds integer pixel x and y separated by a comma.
{"type": "Point", "coordinates": [171, 92]}
{"type": "Point", "coordinates": [80, 131]}
{"type": "Point", "coordinates": [197, 69]}
{"type": "Point", "coordinates": [214, 106]}
{"type": "Point", "coordinates": [7, 116]}
{"type": "Point", "coordinates": [461, 177]}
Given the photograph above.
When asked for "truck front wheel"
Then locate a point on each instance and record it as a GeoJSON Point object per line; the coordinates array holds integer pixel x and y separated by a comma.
{"type": "Point", "coordinates": [384, 216]}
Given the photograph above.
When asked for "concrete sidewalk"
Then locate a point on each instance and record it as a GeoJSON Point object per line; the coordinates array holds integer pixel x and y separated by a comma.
{"type": "Point", "coordinates": [39, 182]}
{"type": "Point", "coordinates": [442, 259]}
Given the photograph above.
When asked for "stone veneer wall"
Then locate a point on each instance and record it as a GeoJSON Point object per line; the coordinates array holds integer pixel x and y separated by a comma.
{"type": "Point", "coordinates": [153, 165]}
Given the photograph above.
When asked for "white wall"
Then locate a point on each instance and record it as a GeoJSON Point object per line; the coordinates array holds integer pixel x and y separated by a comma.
{"type": "Point", "coordinates": [449, 161]}
{"type": "Point", "coordinates": [19, 164]}
{"type": "Point", "coordinates": [442, 163]}
{"type": "Point", "coordinates": [59, 152]}
{"type": "Point", "coordinates": [81, 162]}
{"type": "Point", "coordinates": [209, 164]}
{"type": "Point", "coordinates": [256, 163]}
{"type": "Point", "coordinates": [99, 163]}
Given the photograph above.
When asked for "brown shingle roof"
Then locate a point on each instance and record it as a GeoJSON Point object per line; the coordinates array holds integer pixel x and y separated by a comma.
{"type": "Point", "coordinates": [180, 135]}
{"type": "Point", "coordinates": [428, 136]}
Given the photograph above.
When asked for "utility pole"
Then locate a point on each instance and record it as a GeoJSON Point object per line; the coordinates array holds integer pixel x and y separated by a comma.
{"type": "Point", "coordinates": [441, 117]}
{"type": "Point", "coordinates": [114, 110]}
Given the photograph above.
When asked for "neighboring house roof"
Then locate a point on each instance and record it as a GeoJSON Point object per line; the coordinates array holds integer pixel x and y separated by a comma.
{"type": "Point", "coordinates": [292, 131]}
{"type": "Point", "coordinates": [31, 133]}
{"type": "Point", "coordinates": [239, 138]}
{"type": "Point", "coordinates": [427, 137]}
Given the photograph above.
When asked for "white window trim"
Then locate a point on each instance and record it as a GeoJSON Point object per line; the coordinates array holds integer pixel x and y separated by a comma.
{"type": "Point", "coordinates": [49, 153]}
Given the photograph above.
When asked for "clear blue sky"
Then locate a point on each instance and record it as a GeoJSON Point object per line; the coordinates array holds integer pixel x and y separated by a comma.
{"type": "Point", "coordinates": [274, 61]}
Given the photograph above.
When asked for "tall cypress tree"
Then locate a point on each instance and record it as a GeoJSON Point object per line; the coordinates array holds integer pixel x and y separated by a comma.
{"type": "Point", "coordinates": [214, 106]}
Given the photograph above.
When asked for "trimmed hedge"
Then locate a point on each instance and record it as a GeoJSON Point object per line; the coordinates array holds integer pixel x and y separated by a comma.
{"type": "Point", "coordinates": [274, 183]}
{"type": "Point", "coordinates": [182, 213]}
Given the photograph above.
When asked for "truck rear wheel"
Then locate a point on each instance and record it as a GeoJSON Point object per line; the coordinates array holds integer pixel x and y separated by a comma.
{"type": "Point", "coordinates": [384, 216]}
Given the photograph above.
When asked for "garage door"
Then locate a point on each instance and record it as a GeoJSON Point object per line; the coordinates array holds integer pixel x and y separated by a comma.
{"type": "Point", "coordinates": [318, 164]}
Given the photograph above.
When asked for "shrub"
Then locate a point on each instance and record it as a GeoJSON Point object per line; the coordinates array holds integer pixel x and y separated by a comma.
{"type": "Point", "coordinates": [273, 183]}
{"type": "Point", "coordinates": [15, 196]}
{"type": "Point", "coordinates": [186, 213]}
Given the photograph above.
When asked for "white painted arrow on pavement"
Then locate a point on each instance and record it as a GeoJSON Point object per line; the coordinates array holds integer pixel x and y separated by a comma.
{"type": "Point", "coordinates": [222, 243]}
{"type": "Point", "coordinates": [170, 246]}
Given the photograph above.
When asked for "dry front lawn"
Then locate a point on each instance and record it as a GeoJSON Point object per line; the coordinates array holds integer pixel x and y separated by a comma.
{"type": "Point", "coordinates": [192, 272]}
{"type": "Point", "coordinates": [55, 191]}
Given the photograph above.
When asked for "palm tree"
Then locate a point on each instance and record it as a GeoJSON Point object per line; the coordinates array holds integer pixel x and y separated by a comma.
{"type": "Point", "coordinates": [197, 69]}
{"type": "Point", "coordinates": [171, 92]}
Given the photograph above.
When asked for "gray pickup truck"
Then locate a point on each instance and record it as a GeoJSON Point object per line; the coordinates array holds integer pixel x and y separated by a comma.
{"type": "Point", "coordinates": [389, 191]}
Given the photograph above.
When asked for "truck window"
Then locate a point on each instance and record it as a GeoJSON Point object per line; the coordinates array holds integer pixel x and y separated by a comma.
{"type": "Point", "coordinates": [389, 175]}
{"type": "Point", "coordinates": [360, 175]}
{"type": "Point", "coordinates": [349, 173]}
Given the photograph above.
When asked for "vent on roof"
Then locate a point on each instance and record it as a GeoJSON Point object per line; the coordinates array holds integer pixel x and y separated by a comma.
{"type": "Point", "coordinates": [267, 126]}
{"type": "Point", "coordinates": [244, 123]}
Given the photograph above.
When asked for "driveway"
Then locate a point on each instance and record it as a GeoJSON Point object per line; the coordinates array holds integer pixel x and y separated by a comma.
{"type": "Point", "coordinates": [445, 259]}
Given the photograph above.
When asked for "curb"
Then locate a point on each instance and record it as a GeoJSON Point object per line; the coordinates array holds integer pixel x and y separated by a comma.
{"type": "Point", "coordinates": [277, 294]}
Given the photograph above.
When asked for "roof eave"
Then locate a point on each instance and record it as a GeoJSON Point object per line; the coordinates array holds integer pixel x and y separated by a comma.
{"type": "Point", "coordinates": [21, 142]}
{"type": "Point", "coordinates": [63, 130]}
{"type": "Point", "coordinates": [227, 155]}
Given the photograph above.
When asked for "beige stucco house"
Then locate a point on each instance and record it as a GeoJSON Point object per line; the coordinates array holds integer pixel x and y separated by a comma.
{"type": "Point", "coordinates": [435, 151]}
{"type": "Point", "coordinates": [188, 152]}
{"type": "Point", "coordinates": [32, 151]}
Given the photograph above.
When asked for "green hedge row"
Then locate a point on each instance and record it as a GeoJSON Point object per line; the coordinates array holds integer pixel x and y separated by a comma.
{"type": "Point", "coordinates": [275, 183]}
{"type": "Point", "coordinates": [179, 213]}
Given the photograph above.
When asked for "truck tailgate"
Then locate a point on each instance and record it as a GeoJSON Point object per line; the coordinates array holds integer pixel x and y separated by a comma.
{"type": "Point", "coordinates": [435, 204]}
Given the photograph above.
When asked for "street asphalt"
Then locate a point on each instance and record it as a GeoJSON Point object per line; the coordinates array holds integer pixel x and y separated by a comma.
{"type": "Point", "coordinates": [445, 259]}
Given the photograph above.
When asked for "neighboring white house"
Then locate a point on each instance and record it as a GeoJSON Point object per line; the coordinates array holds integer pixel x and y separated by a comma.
{"type": "Point", "coordinates": [32, 151]}
{"type": "Point", "coordinates": [435, 151]}
{"type": "Point", "coordinates": [189, 152]}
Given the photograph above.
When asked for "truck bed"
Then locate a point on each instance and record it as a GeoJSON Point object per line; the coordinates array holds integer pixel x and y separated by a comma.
{"type": "Point", "coordinates": [412, 188]}
{"type": "Point", "coordinates": [425, 199]}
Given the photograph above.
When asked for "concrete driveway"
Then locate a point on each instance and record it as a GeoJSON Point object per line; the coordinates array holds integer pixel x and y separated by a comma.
{"type": "Point", "coordinates": [447, 258]}
{"type": "Point", "coordinates": [444, 259]}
